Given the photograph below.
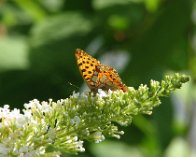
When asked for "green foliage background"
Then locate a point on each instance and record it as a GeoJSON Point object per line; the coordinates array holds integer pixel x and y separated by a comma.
{"type": "Point", "coordinates": [37, 43]}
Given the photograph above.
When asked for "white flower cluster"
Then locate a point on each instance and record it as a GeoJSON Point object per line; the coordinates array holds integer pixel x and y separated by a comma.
{"type": "Point", "coordinates": [74, 141]}
{"type": "Point", "coordinates": [19, 131]}
{"type": "Point", "coordinates": [12, 126]}
{"type": "Point", "coordinates": [62, 126]}
{"type": "Point", "coordinates": [9, 117]}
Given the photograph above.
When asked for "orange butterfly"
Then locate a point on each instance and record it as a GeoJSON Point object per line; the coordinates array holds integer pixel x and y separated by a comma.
{"type": "Point", "coordinates": [96, 75]}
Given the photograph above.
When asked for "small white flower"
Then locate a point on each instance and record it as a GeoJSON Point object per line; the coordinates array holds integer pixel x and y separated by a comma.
{"type": "Point", "coordinates": [154, 83]}
{"type": "Point", "coordinates": [80, 146]}
{"type": "Point", "coordinates": [75, 138]}
{"type": "Point", "coordinates": [98, 136]}
{"type": "Point", "coordinates": [76, 120]}
{"type": "Point", "coordinates": [46, 107]}
{"type": "Point", "coordinates": [101, 93]}
{"type": "Point", "coordinates": [4, 111]}
{"type": "Point", "coordinates": [75, 95]}
{"type": "Point", "coordinates": [62, 101]}
{"type": "Point", "coordinates": [28, 105]}
{"type": "Point", "coordinates": [142, 87]}
{"type": "Point", "coordinates": [82, 149]}
{"type": "Point", "coordinates": [116, 136]}
{"type": "Point", "coordinates": [69, 141]}
{"type": "Point", "coordinates": [131, 90]}
{"type": "Point", "coordinates": [121, 132]}
{"type": "Point", "coordinates": [21, 120]}
{"type": "Point", "coordinates": [27, 114]}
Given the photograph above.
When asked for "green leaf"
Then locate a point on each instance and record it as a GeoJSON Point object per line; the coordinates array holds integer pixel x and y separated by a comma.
{"type": "Point", "coordinates": [13, 53]}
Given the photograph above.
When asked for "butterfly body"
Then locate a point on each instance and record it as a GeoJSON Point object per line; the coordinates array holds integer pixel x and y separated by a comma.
{"type": "Point", "coordinates": [96, 75]}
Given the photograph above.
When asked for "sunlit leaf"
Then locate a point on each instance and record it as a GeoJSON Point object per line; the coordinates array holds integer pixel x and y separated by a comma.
{"type": "Point", "coordinates": [13, 53]}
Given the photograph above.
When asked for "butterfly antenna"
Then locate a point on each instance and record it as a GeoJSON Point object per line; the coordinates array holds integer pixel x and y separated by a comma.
{"type": "Point", "coordinates": [73, 85]}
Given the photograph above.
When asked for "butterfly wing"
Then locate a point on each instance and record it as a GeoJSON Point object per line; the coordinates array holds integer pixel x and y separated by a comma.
{"type": "Point", "coordinates": [87, 66]}
{"type": "Point", "coordinates": [96, 75]}
{"type": "Point", "coordinates": [108, 78]}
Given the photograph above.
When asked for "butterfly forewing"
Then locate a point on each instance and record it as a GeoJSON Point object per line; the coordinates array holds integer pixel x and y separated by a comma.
{"type": "Point", "coordinates": [96, 75]}
{"type": "Point", "coordinates": [87, 66]}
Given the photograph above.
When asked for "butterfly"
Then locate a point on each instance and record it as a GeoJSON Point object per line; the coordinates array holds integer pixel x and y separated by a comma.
{"type": "Point", "coordinates": [96, 75]}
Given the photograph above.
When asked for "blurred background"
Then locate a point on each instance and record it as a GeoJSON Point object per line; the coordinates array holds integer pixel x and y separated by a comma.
{"type": "Point", "coordinates": [142, 39]}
